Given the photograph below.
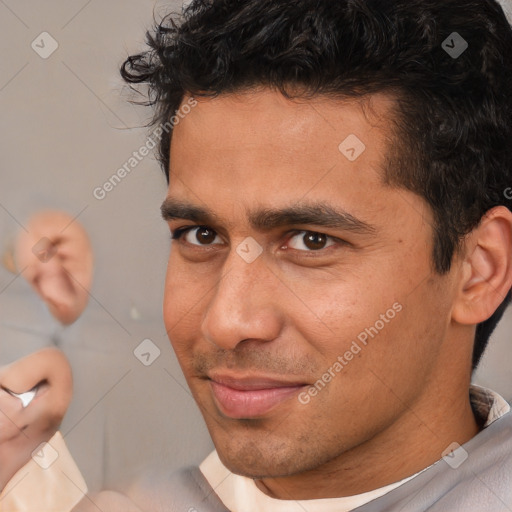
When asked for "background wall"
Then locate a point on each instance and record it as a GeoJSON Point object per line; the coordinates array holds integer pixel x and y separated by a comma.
{"type": "Point", "coordinates": [66, 128]}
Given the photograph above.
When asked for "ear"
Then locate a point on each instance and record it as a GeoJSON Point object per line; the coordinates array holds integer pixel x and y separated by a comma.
{"type": "Point", "coordinates": [486, 272]}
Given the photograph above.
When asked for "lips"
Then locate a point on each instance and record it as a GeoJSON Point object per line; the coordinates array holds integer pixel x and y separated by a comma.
{"type": "Point", "coordinates": [250, 397]}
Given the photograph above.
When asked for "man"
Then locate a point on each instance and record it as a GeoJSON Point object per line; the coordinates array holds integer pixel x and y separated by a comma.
{"type": "Point", "coordinates": [341, 250]}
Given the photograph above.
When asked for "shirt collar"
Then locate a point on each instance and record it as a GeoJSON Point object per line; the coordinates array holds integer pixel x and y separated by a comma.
{"type": "Point", "coordinates": [487, 404]}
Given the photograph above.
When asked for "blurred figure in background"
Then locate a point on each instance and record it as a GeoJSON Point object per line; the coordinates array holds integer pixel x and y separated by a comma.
{"type": "Point", "coordinates": [54, 257]}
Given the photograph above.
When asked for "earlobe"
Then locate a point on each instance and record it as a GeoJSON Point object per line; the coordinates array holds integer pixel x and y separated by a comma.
{"type": "Point", "coordinates": [486, 274]}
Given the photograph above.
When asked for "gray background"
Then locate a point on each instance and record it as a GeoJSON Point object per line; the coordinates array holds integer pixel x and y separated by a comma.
{"type": "Point", "coordinates": [66, 128]}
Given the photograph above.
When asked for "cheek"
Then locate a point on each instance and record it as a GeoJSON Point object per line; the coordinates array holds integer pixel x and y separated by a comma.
{"type": "Point", "coordinates": [175, 292]}
{"type": "Point", "coordinates": [184, 297]}
{"type": "Point", "coordinates": [332, 310]}
{"type": "Point", "coordinates": [381, 326]}
{"type": "Point", "coordinates": [398, 355]}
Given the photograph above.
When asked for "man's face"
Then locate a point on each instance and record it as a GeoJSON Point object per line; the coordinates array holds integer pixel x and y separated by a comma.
{"type": "Point", "coordinates": [260, 306]}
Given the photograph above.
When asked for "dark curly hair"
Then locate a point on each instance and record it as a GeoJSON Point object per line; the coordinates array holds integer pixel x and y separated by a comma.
{"type": "Point", "coordinates": [453, 126]}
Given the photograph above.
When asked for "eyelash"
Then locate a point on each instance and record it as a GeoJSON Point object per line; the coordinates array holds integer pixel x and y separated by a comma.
{"type": "Point", "coordinates": [178, 234]}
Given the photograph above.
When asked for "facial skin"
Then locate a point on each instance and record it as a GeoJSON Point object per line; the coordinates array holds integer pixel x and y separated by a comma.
{"type": "Point", "coordinates": [55, 257]}
{"type": "Point", "coordinates": [22, 429]}
{"type": "Point", "coordinates": [287, 316]}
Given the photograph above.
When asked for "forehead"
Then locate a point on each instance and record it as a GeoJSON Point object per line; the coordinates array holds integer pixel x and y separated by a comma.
{"type": "Point", "coordinates": [265, 118]}
{"type": "Point", "coordinates": [259, 147]}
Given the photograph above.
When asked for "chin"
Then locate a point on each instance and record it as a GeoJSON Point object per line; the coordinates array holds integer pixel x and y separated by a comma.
{"type": "Point", "coordinates": [260, 470]}
{"type": "Point", "coordinates": [252, 462]}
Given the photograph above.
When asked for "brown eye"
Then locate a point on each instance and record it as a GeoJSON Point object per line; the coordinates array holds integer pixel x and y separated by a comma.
{"type": "Point", "coordinates": [205, 235]}
{"type": "Point", "coordinates": [196, 235]}
{"type": "Point", "coordinates": [310, 241]}
{"type": "Point", "coordinates": [315, 241]}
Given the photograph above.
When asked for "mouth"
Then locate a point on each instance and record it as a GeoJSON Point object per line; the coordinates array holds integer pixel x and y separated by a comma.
{"type": "Point", "coordinates": [251, 397]}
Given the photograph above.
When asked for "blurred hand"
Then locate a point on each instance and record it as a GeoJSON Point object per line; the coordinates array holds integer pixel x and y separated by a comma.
{"type": "Point", "coordinates": [24, 428]}
{"type": "Point", "coordinates": [54, 255]}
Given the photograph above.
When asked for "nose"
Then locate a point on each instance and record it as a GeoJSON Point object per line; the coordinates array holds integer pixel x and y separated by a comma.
{"type": "Point", "coordinates": [244, 305]}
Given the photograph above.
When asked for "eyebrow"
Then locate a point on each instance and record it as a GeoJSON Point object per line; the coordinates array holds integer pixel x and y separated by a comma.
{"type": "Point", "coordinates": [265, 219]}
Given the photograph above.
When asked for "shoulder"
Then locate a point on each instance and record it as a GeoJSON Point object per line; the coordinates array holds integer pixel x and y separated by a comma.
{"type": "Point", "coordinates": [479, 476]}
